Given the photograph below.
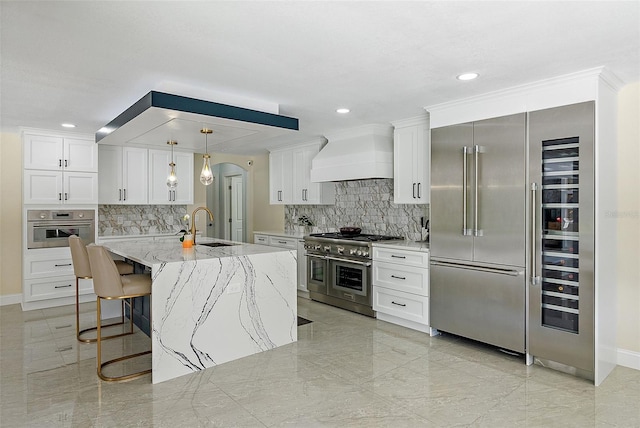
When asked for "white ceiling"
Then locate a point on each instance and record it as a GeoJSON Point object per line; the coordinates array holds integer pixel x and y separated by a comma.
{"type": "Point", "coordinates": [86, 62]}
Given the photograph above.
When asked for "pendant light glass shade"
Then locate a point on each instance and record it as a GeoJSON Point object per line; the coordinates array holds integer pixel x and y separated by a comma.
{"type": "Point", "coordinates": [172, 180]}
{"type": "Point", "coordinates": [206, 176]}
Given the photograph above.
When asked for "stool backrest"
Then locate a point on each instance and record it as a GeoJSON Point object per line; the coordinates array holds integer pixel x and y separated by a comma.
{"type": "Point", "coordinates": [79, 257]}
{"type": "Point", "coordinates": [106, 278]}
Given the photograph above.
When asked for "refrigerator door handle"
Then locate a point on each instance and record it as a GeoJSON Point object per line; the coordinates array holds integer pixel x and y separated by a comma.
{"type": "Point", "coordinates": [535, 279]}
{"type": "Point", "coordinates": [510, 272]}
{"type": "Point", "coordinates": [465, 230]}
{"type": "Point", "coordinates": [477, 231]}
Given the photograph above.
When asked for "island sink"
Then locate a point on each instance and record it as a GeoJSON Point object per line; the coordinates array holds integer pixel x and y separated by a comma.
{"type": "Point", "coordinates": [217, 244]}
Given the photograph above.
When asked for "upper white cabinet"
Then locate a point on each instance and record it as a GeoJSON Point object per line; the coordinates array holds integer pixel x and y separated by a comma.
{"type": "Point", "coordinates": [411, 161]}
{"type": "Point", "coordinates": [290, 177]}
{"type": "Point", "coordinates": [159, 169]}
{"type": "Point", "coordinates": [59, 169]}
{"type": "Point", "coordinates": [56, 153]}
{"type": "Point", "coordinates": [123, 175]}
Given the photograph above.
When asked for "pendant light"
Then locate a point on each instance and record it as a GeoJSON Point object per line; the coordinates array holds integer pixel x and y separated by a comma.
{"type": "Point", "coordinates": [172, 180]}
{"type": "Point", "coordinates": [206, 176]}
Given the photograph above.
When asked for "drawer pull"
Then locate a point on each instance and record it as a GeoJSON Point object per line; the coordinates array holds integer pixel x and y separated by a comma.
{"type": "Point", "coordinates": [398, 257]}
{"type": "Point", "coordinates": [62, 286]}
{"type": "Point", "coordinates": [398, 277]}
{"type": "Point", "coordinates": [65, 264]}
{"type": "Point", "coordinates": [282, 242]}
{"type": "Point", "coordinates": [399, 304]}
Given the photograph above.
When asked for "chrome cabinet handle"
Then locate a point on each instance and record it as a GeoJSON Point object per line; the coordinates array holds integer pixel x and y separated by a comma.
{"type": "Point", "coordinates": [510, 272]}
{"type": "Point", "coordinates": [399, 304]}
{"type": "Point", "coordinates": [59, 196]}
{"type": "Point", "coordinates": [419, 195]}
{"type": "Point", "coordinates": [66, 196]}
{"type": "Point", "coordinates": [65, 264]}
{"type": "Point", "coordinates": [535, 280]}
{"type": "Point", "coordinates": [398, 257]}
{"type": "Point", "coordinates": [124, 192]}
{"type": "Point", "coordinates": [398, 277]}
{"type": "Point", "coordinates": [65, 163]}
{"type": "Point", "coordinates": [476, 155]}
{"type": "Point", "coordinates": [62, 286]}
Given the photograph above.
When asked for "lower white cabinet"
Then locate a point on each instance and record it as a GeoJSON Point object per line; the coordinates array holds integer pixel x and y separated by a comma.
{"type": "Point", "coordinates": [401, 287]}
{"type": "Point", "coordinates": [292, 243]}
{"type": "Point", "coordinates": [48, 276]}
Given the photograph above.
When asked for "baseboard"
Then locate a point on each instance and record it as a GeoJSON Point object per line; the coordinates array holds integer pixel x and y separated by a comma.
{"type": "Point", "coordinates": [10, 299]}
{"type": "Point", "coordinates": [629, 359]}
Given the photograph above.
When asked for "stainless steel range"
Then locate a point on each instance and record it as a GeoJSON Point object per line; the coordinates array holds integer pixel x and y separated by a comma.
{"type": "Point", "coordinates": [339, 269]}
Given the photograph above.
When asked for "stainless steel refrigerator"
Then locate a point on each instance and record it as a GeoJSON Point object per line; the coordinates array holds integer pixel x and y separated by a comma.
{"type": "Point", "coordinates": [478, 230]}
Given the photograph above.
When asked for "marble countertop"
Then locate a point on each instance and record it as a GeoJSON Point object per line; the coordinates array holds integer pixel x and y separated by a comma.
{"type": "Point", "coordinates": [297, 235]}
{"type": "Point", "coordinates": [404, 245]}
{"type": "Point", "coordinates": [141, 236]}
{"type": "Point", "coordinates": [170, 251]}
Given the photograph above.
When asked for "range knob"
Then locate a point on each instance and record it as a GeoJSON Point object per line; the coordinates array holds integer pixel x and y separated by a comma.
{"type": "Point", "coordinates": [317, 247]}
{"type": "Point", "coordinates": [340, 250]}
{"type": "Point", "coordinates": [43, 215]}
{"type": "Point", "coordinates": [359, 252]}
{"type": "Point", "coordinates": [365, 253]}
{"type": "Point", "coordinates": [81, 215]}
{"type": "Point", "coordinates": [327, 248]}
{"type": "Point", "coordinates": [352, 251]}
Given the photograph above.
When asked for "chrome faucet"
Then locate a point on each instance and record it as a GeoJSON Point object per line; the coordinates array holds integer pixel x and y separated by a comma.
{"type": "Point", "coordinates": [193, 221]}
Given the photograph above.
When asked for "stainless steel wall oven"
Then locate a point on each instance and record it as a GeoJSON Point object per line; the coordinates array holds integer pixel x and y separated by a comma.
{"type": "Point", "coordinates": [52, 228]}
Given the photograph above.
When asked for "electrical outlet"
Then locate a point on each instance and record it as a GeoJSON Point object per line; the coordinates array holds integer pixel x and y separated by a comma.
{"type": "Point", "coordinates": [120, 219]}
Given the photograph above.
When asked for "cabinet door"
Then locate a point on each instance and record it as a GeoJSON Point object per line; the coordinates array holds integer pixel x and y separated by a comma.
{"type": "Point", "coordinates": [423, 165]}
{"type": "Point", "coordinates": [43, 152]}
{"type": "Point", "coordinates": [159, 169]}
{"type": "Point", "coordinates": [110, 175]}
{"type": "Point", "coordinates": [80, 155]}
{"type": "Point", "coordinates": [43, 187]}
{"type": "Point", "coordinates": [80, 187]}
{"type": "Point", "coordinates": [281, 177]}
{"type": "Point", "coordinates": [300, 177]}
{"type": "Point", "coordinates": [184, 170]}
{"type": "Point", "coordinates": [135, 176]}
{"type": "Point", "coordinates": [405, 158]}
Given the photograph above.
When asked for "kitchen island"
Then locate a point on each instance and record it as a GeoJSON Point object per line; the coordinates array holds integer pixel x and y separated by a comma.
{"type": "Point", "coordinates": [210, 305]}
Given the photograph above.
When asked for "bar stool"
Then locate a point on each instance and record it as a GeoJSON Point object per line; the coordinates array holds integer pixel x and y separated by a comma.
{"type": "Point", "coordinates": [82, 270]}
{"type": "Point", "coordinates": [108, 284]}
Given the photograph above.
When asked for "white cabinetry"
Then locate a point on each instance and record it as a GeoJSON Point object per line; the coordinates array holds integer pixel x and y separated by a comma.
{"type": "Point", "coordinates": [401, 286]}
{"type": "Point", "coordinates": [59, 153]}
{"type": "Point", "coordinates": [159, 169]}
{"type": "Point", "coordinates": [59, 170]}
{"type": "Point", "coordinates": [290, 177]}
{"type": "Point", "coordinates": [48, 274]}
{"type": "Point", "coordinates": [123, 175]}
{"type": "Point", "coordinates": [411, 161]}
{"type": "Point", "coordinates": [292, 243]}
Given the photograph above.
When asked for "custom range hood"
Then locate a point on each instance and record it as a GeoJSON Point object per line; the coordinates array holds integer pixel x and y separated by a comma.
{"type": "Point", "coordinates": [355, 154]}
{"type": "Point", "coordinates": [158, 117]}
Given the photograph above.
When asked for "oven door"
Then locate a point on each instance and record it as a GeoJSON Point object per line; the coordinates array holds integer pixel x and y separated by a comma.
{"type": "Point", "coordinates": [317, 273]}
{"type": "Point", "coordinates": [49, 235]}
{"type": "Point", "coordinates": [350, 280]}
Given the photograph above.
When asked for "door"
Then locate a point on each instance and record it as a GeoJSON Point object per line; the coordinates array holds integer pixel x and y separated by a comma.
{"type": "Point", "coordinates": [498, 164]}
{"type": "Point", "coordinates": [561, 290]}
{"type": "Point", "coordinates": [236, 215]}
{"type": "Point", "coordinates": [450, 192]}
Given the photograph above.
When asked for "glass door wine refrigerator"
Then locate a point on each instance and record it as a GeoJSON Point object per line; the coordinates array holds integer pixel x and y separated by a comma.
{"type": "Point", "coordinates": [561, 289]}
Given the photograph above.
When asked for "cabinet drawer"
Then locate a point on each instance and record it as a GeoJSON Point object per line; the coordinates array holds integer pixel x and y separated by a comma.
{"type": "Point", "coordinates": [42, 289]}
{"type": "Point", "coordinates": [402, 305]}
{"type": "Point", "coordinates": [403, 257]}
{"type": "Point", "coordinates": [261, 239]}
{"type": "Point", "coordinates": [402, 278]}
{"type": "Point", "coordinates": [278, 241]}
{"type": "Point", "coordinates": [37, 268]}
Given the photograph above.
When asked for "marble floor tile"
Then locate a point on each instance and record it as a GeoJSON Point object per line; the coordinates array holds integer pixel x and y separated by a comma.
{"type": "Point", "coordinates": [345, 370]}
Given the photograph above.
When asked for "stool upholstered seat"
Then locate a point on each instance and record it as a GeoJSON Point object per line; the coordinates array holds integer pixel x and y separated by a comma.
{"type": "Point", "coordinates": [82, 270]}
{"type": "Point", "coordinates": [108, 284]}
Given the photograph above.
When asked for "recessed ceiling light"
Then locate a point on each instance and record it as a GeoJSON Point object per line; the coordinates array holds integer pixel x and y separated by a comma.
{"type": "Point", "coordinates": [342, 110]}
{"type": "Point", "coordinates": [467, 76]}
{"type": "Point", "coordinates": [68, 125]}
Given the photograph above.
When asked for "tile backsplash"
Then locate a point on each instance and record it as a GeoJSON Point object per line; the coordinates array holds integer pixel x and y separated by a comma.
{"type": "Point", "coordinates": [367, 204]}
{"type": "Point", "coordinates": [115, 220]}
